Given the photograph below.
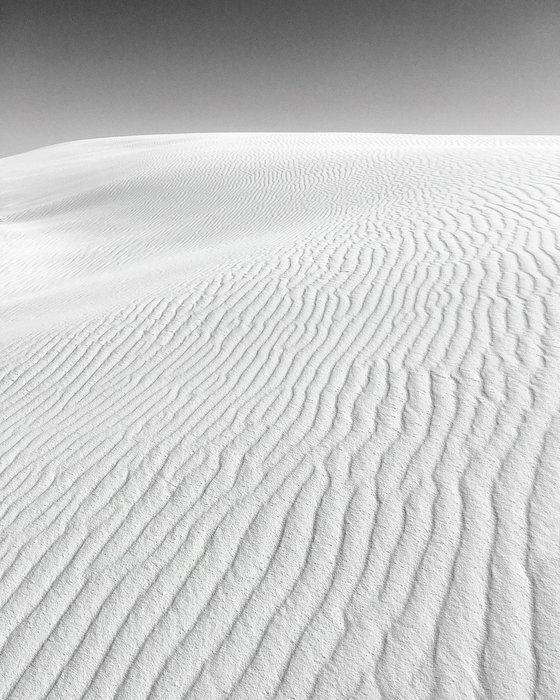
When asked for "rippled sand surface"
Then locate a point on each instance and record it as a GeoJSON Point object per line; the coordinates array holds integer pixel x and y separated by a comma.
{"type": "Point", "coordinates": [280, 418]}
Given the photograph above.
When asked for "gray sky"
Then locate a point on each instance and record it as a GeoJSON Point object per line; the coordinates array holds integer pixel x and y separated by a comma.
{"type": "Point", "coordinates": [72, 69]}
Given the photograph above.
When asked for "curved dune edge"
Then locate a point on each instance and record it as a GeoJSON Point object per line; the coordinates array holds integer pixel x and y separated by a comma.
{"type": "Point", "coordinates": [280, 418]}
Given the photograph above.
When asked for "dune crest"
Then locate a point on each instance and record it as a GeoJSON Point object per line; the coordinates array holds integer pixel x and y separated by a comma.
{"type": "Point", "coordinates": [280, 417]}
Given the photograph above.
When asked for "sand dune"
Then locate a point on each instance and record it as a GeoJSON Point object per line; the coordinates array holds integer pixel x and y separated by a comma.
{"type": "Point", "coordinates": [280, 418]}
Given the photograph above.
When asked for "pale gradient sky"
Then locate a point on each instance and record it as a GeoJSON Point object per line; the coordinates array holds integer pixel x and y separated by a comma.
{"type": "Point", "coordinates": [77, 69]}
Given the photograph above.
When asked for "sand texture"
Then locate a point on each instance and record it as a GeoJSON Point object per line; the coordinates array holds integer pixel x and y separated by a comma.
{"type": "Point", "coordinates": [279, 418]}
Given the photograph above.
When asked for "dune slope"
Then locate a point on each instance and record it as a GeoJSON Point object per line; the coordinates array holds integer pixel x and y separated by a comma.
{"type": "Point", "coordinates": [280, 418]}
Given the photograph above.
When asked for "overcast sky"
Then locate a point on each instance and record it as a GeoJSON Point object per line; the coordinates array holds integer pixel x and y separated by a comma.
{"type": "Point", "coordinates": [72, 69]}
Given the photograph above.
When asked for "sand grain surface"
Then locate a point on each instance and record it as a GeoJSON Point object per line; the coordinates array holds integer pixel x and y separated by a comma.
{"type": "Point", "coordinates": [280, 418]}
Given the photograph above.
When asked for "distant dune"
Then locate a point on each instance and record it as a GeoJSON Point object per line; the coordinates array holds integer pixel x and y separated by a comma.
{"type": "Point", "coordinates": [280, 418]}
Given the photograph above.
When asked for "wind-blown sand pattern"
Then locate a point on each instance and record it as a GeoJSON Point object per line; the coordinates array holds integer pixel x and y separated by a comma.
{"type": "Point", "coordinates": [280, 418]}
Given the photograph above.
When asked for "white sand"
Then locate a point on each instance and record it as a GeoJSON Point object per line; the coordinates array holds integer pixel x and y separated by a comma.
{"type": "Point", "coordinates": [280, 418]}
